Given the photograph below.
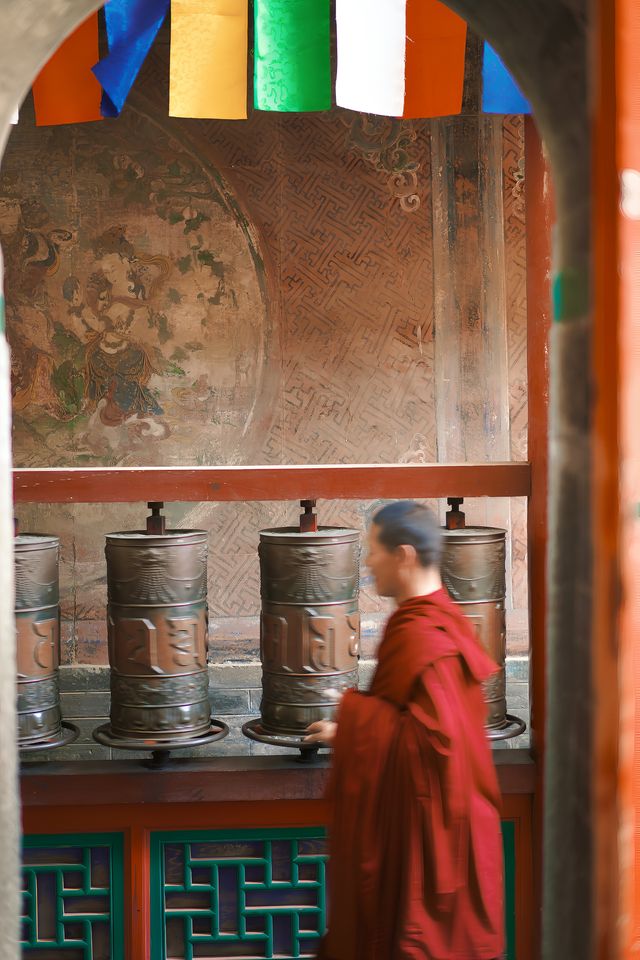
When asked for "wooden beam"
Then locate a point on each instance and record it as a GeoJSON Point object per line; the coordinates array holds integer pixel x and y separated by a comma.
{"type": "Point", "coordinates": [539, 212]}
{"type": "Point", "coordinates": [539, 220]}
{"type": "Point", "coordinates": [334, 482]}
{"type": "Point", "coordinates": [212, 780]}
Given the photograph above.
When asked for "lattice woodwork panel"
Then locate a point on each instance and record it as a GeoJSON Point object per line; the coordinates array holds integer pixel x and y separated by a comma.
{"type": "Point", "coordinates": [253, 894]}
{"type": "Point", "coordinates": [72, 898]}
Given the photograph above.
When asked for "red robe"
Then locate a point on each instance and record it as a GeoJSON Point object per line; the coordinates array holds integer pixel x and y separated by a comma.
{"type": "Point", "coordinates": [416, 869]}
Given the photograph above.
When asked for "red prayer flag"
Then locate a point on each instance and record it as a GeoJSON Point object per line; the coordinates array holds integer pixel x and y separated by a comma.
{"type": "Point", "coordinates": [434, 71]}
{"type": "Point", "coordinates": [66, 91]}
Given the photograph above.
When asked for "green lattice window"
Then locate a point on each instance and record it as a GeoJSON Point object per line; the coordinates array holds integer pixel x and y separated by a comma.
{"type": "Point", "coordinates": [72, 897]}
{"type": "Point", "coordinates": [252, 894]}
{"type": "Point", "coordinates": [247, 894]}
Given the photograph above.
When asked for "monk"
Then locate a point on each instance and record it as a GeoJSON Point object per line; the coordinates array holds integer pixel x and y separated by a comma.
{"type": "Point", "coordinates": [415, 866]}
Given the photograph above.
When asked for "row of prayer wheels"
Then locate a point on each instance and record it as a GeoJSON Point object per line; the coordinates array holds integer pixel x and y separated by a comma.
{"type": "Point", "coordinates": [157, 631]}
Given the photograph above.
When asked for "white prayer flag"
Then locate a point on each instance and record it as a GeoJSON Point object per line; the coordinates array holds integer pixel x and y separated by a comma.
{"type": "Point", "coordinates": [371, 38]}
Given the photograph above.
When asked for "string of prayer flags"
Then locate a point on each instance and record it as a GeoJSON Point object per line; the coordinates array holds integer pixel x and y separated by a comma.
{"type": "Point", "coordinates": [435, 52]}
{"type": "Point", "coordinates": [371, 37]}
{"type": "Point", "coordinates": [500, 92]}
{"type": "Point", "coordinates": [292, 59]}
{"type": "Point", "coordinates": [208, 68]}
{"type": "Point", "coordinates": [66, 91]}
{"type": "Point", "coordinates": [132, 26]}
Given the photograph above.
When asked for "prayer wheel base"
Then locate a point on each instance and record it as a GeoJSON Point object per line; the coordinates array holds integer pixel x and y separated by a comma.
{"type": "Point", "coordinates": [512, 727]}
{"type": "Point", "coordinates": [62, 738]}
{"type": "Point", "coordinates": [255, 730]}
{"type": "Point", "coordinates": [104, 735]}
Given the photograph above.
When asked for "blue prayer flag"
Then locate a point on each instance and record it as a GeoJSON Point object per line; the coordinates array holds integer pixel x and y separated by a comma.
{"type": "Point", "coordinates": [500, 93]}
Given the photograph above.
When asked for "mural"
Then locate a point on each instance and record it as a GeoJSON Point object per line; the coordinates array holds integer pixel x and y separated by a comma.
{"type": "Point", "coordinates": [136, 308]}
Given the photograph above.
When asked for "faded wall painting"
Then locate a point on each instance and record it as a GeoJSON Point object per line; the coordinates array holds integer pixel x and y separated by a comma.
{"type": "Point", "coordinates": [136, 303]}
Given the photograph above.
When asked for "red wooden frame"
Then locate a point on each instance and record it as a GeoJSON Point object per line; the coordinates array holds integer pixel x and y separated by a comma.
{"type": "Point", "coordinates": [539, 218]}
{"type": "Point", "coordinates": [137, 821]}
{"type": "Point", "coordinates": [312, 482]}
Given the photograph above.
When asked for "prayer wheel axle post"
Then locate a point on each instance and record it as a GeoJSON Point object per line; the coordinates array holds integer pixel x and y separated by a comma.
{"type": "Point", "coordinates": [156, 523]}
{"type": "Point", "coordinates": [308, 519]}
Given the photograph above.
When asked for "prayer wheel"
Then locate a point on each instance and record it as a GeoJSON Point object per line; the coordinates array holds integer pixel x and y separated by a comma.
{"type": "Point", "coordinates": [473, 571]}
{"type": "Point", "coordinates": [309, 628]}
{"type": "Point", "coordinates": [37, 612]}
{"type": "Point", "coordinates": [157, 633]}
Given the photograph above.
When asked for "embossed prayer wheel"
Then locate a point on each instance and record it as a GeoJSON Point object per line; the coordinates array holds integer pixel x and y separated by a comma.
{"type": "Point", "coordinates": [310, 628]}
{"type": "Point", "coordinates": [37, 615]}
{"type": "Point", "coordinates": [473, 571]}
{"type": "Point", "coordinates": [157, 630]}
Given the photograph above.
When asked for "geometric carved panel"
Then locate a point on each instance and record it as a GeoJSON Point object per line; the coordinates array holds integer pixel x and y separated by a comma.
{"type": "Point", "coordinates": [250, 894]}
{"type": "Point", "coordinates": [72, 897]}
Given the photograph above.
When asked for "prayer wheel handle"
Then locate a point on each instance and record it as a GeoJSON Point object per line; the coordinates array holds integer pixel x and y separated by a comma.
{"type": "Point", "coordinates": [455, 518]}
{"type": "Point", "coordinates": [156, 523]}
{"type": "Point", "coordinates": [308, 519]}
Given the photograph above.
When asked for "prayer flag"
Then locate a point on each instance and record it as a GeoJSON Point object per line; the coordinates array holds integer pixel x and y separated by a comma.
{"type": "Point", "coordinates": [65, 90]}
{"type": "Point", "coordinates": [500, 92]}
{"type": "Point", "coordinates": [292, 65]}
{"type": "Point", "coordinates": [132, 26]}
{"type": "Point", "coordinates": [371, 38]}
{"type": "Point", "coordinates": [434, 73]}
{"type": "Point", "coordinates": [208, 71]}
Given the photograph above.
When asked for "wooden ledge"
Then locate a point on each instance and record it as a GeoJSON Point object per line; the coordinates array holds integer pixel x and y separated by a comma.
{"type": "Point", "coordinates": [223, 780]}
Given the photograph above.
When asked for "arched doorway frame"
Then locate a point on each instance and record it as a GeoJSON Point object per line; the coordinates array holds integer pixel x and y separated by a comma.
{"type": "Point", "coordinates": [544, 44]}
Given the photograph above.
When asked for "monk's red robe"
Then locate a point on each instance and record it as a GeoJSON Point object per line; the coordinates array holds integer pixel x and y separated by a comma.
{"type": "Point", "coordinates": [415, 870]}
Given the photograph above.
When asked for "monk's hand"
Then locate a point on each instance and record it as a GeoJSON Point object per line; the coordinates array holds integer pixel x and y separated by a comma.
{"type": "Point", "coordinates": [322, 731]}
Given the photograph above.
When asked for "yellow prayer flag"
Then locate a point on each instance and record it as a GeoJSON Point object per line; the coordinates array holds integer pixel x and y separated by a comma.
{"type": "Point", "coordinates": [208, 72]}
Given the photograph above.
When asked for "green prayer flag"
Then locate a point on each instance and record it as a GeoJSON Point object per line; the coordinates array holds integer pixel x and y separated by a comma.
{"type": "Point", "coordinates": [292, 62]}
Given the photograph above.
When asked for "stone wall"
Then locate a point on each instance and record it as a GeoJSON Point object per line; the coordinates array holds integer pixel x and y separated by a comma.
{"type": "Point", "coordinates": [235, 692]}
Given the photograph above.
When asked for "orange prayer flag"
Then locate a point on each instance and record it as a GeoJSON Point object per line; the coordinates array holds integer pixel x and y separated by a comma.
{"type": "Point", "coordinates": [434, 69]}
{"type": "Point", "coordinates": [66, 91]}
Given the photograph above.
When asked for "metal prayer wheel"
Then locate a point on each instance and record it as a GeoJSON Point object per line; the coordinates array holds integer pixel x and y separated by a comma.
{"type": "Point", "coordinates": [309, 627]}
{"type": "Point", "coordinates": [473, 571]}
{"type": "Point", "coordinates": [37, 612]}
{"type": "Point", "coordinates": [157, 635]}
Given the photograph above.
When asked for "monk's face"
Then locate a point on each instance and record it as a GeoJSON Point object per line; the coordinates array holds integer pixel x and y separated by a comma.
{"type": "Point", "coordinates": [384, 565]}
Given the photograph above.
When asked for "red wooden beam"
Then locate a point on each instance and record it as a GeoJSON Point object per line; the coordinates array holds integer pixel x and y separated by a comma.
{"type": "Point", "coordinates": [313, 482]}
{"type": "Point", "coordinates": [539, 211]}
{"type": "Point", "coordinates": [539, 216]}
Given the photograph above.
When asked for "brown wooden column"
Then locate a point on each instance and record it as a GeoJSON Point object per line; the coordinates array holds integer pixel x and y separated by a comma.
{"type": "Point", "coordinates": [471, 370]}
{"type": "Point", "coordinates": [539, 219]}
{"type": "Point", "coordinates": [470, 303]}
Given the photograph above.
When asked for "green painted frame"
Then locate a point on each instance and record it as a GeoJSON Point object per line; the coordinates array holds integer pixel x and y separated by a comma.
{"type": "Point", "coordinates": [115, 843]}
{"type": "Point", "coordinates": [509, 849]}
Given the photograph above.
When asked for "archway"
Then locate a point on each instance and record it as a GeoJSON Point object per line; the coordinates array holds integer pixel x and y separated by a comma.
{"type": "Point", "coordinates": [544, 44]}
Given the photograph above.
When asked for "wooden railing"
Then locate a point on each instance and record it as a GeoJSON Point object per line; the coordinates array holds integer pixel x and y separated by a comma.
{"type": "Point", "coordinates": [313, 482]}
